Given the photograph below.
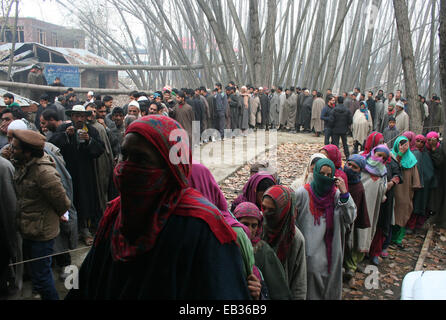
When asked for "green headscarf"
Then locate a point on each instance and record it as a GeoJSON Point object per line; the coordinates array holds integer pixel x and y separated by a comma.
{"type": "Point", "coordinates": [322, 185]}
{"type": "Point", "coordinates": [408, 160]}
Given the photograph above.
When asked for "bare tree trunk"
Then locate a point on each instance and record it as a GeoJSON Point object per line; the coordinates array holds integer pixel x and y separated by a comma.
{"type": "Point", "coordinates": [442, 50]}
{"type": "Point", "coordinates": [268, 44]}
{"type": "Point", "coordinates": [334, 54]}
{"type": "Point", "coordinates": [243, 40]}
{"type": "Point", "coordinates": [405, 36]}
{"type": "Point", "coordinates": [350, 48]}
{"type": "Point", "coordinates": [14, 39]}
{"type": "Point", "coordinates": [314, 56]}
{"type": "Point", "coordinates": [368, 48]}
{"type": "Point", "coordinates": [431, 50]}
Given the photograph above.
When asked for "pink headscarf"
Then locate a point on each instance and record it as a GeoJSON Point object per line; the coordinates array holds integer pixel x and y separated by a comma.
{"type": "Point", "coordinates": [250, 189]}
{"type": "Point", "coordinates": [432, 135]}
{"type": "Point", "coordinates": [412, 141]}
{"type": "Point", "coordinates": [423, 138]}
{"type": "Point", "coordinates": [248, 209]}
{"type": "Point", "coordinates": [203, 180]}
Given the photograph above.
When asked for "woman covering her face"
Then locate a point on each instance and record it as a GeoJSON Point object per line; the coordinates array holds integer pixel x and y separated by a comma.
{"type": "Point", "coordinates": [325, 210]}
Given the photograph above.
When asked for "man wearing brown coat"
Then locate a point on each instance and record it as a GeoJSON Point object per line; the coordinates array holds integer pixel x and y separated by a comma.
{"type": "Point", "coordinates": [42, 203]}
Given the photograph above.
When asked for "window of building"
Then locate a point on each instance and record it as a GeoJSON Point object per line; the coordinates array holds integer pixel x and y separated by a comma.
{"type": "Point", "coordinates": [20, 34]}
{"type": "Point", "coordinates": [55, 39]}
{"type": "Point", "coordinates": [41, 36]}
{"type": "Point", "coordinates": [6, 36]}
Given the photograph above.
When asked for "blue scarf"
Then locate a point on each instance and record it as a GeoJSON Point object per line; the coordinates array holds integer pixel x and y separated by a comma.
{"type": "Point", "coordinates": [365, 110]}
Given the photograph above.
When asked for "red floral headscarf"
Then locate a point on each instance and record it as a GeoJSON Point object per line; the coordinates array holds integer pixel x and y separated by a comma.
{"type": "Point", "coordinates": [149, 196]}
{"type": "Point", "coordinates": [280, 227]}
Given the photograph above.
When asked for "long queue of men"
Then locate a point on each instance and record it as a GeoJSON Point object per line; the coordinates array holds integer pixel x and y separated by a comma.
{"type": "Point", "coordinates": [66, 164]}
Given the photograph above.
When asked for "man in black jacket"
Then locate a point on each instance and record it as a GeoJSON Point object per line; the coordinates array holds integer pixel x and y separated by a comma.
{"type": "Point", "coordinates": [325, 116]}
{"type": "Point", "coordinates": [340, 120]}
{"type": "Point", "coordinates": [79, 144]}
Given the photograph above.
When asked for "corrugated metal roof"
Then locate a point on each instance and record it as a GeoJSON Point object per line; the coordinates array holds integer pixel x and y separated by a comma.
{"type": "Point", "coordinates": [72, 55]}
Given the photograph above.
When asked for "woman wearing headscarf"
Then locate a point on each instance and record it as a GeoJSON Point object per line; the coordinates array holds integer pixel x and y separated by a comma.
{"type": "Point", "coordinates": [411, 137]}
{"type": "Point", "coordinates": [362, 125]}
{"type": "Point", "coordinates": [325, 210]}
{"type": "Point", "coordinates": [287, 241]}
{"type": "Point", "coordinates": [373, 140]}
{"type": "Point", "coordinates": [265, 258]}
{"type": "Point", "coordinates": [254, 189]}
{"type": "Point", "coordinates": [374, 179]}
{"type": "Point", "coordinates": [383, 231]}
{"type": "Point", "coordinates": [428, 180]}
{"type": "Point", "coordinates": [332, 152]}
{"type": "Point", "coordinates": [202, 180]}
{"type": "Point", "coordinates": [353, 168]}
{"type": "Point", "coordinates": [160, 239]}
{"type": "Point", "coordinates": [307, 177]}
{"type": "Point", "coordinates": [404, 192]}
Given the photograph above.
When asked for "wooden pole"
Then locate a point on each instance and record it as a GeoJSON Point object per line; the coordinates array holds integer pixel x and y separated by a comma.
{"type": "Point", "coordinates": [12, 85]}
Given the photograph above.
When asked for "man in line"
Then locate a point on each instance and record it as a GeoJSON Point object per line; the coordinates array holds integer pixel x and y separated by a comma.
{"type": "Point", "coordinates": [341, 119]}
{"type": "Point", "coordinates": [43, 203]}
{"type": "Point", "coordinates": [292, 110]}
{"type": "Point", "coordinates": [265, 108]}
{"type": "Point", "coordinates": [80, 144]}
{"type": "Point", "coordinates": [184, 114]}
{"type": "Point", "coordinates": [274, 108]}
{"type": "Point", "coordinates": [307, 105]}
{"type": "Point", "coordinates": [316, 122]}
{"type": "Point", "coordinates": [221, 107]}
{"type": "Point", "coordinates": [103, 165]}
{"type": "Point", "coordinates": [326, 117]}
{"type": "Point", "coordinates": [402, 118]}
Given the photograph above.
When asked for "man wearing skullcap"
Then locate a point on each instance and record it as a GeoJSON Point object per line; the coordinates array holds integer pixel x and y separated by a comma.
{"type": "Point", "coordinates": [80, 143]}
{"type": "Point", "coordinates": [42, 204]}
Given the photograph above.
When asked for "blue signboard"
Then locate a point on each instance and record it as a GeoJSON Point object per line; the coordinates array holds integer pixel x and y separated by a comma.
{"type": "Point", "coordinates": [69, 76]}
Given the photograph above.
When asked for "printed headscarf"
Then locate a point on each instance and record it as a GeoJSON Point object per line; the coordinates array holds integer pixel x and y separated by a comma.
{"type": "Point", "coordinates": [412, 142]}
{"type": "Point", "coordinates": [250, 210]}
{"type": "Point", "coordinates": [375, 165]}
{"type": "Point", "coordinates": [372, 141]}
{"type": "Point", "coordinates": [280, 226]}
{"type": "Point", "coordinates": [149, 196]}
{"type": "Point", "coordinates": [364, 109]}
{"type": "Point", "coordinates": [408, 159]}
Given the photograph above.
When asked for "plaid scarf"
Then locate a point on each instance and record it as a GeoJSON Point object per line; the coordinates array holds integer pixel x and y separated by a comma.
{"type": "Point", "coordinates": [149, 196]}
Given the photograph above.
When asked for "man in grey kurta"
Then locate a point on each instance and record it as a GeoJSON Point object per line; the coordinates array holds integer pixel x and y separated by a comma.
{"type": "Point", "coordinates": [282, 102]}
{"type": "Point", "coordinates": [320, 284]}
{"type": "Point", "coordinates": [274, 110]}
{"type": "Point", "coordinates": [292, 110]}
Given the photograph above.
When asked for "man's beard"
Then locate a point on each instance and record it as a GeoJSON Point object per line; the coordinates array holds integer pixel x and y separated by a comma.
{"type": "Point", "coordinates": [79, 125]}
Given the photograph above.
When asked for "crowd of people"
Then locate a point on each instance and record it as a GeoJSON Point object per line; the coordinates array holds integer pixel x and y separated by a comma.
{"type": "Point", "coordinates": [101, 174]}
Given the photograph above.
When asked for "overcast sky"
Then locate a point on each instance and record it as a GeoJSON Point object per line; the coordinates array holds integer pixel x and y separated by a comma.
{"type": "Point", "coordinates": [46, 10]}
